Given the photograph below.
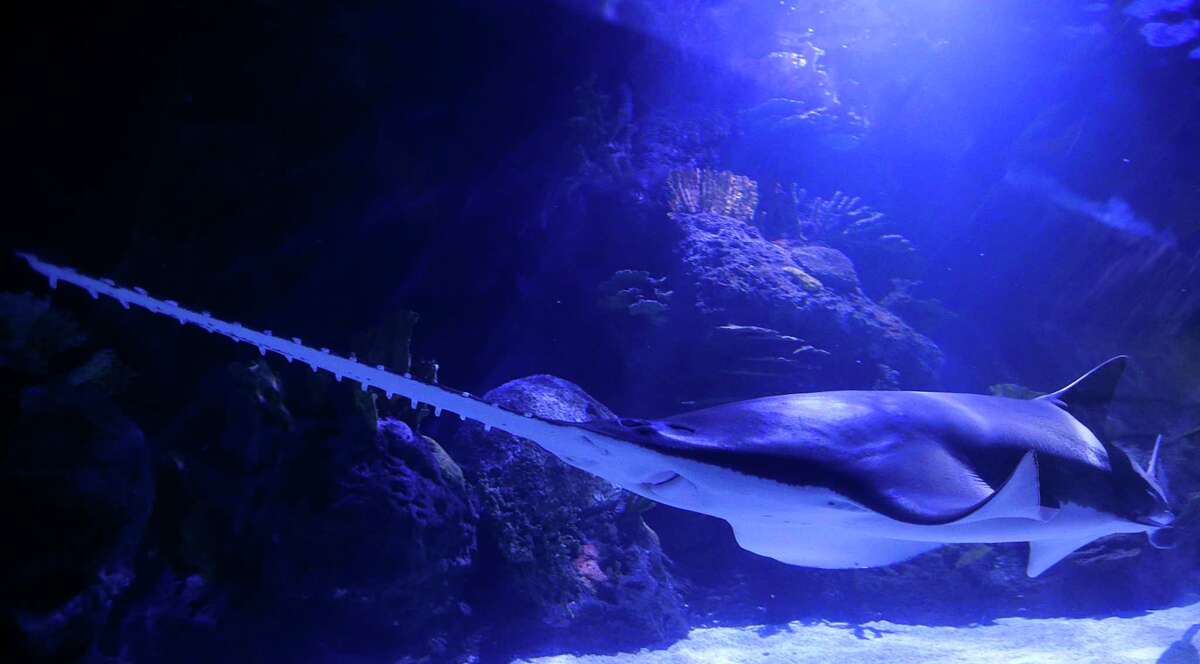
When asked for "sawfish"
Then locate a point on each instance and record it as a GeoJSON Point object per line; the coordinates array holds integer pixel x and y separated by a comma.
{"type": "Point", "coordinates": [836, 480]}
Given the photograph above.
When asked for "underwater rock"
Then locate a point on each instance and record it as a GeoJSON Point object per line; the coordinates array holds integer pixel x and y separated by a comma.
{"type": "Point", "coordinates": [77, 485]}
{"type": "Point", "coordinates": [76, 479]}
{"type": "Point", "coordinates": [831, 266]}
{"type": "Point", "coordinates": [32, 334]}
{"type": "Point", "coordinates": [734, 274]}
{"type": "Point", "coordinates": [298, 502]}
{"type": "Point", "coordinates": [927, 315]}
{"type": "Point", "coordinates": [565, 560]}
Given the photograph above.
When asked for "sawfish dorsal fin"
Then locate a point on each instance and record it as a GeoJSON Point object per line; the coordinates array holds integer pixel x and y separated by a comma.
{"type": "Point", "coordinates": [1019, 498]}
{"type": "Point", "coordinates": [1043, 554]}
{"type": "Point", "coordinates": [1087, 399]}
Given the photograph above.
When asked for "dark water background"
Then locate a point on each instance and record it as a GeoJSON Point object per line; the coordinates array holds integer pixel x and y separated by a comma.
{"type": "Point", "coordinates": [490, 166]}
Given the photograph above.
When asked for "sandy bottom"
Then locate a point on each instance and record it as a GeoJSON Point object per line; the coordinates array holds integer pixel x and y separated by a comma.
{"type": "Point", "coordinates": [1168, 636]}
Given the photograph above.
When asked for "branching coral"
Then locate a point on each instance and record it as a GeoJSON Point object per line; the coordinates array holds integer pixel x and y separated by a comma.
{"type": "Point", "coordinates": [841, 221]}
{"type": "Point", "coordinates": [603, 132]}
{"type": "Point", "coordinates": [693, 191]}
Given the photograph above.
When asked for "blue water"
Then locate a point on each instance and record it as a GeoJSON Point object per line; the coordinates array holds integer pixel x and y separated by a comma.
{"type": "Point", "coordinates": [613, 212]}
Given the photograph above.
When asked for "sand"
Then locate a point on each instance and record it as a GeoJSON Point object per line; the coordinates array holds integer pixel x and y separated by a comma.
{"type": "Point", "coordinates": [1167, 636]}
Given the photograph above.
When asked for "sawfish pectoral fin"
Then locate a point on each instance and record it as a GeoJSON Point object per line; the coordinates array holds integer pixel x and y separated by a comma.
{"type": "Point", "coordinates": [824, 547]}
{"type": "Point", "coordinates": [1043, 554]}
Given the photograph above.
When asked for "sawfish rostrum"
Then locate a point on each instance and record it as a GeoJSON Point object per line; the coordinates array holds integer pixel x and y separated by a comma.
{"type": "Point", "coordinates": [830, 479]}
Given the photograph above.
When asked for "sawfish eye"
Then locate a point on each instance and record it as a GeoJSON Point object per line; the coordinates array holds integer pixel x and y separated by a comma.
{"type": "Point", "coordinates": [680, 427]}
{"type": "Point", "coordinates": [843, 505]}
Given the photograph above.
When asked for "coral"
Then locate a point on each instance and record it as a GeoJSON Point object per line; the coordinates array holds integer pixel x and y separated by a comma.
{"type": "Point", "coordinates": [1168, 23]}
{"type": "Point", "coordinates": [636, 293]}
{"type": "Point", "coordinates": [692, 191]}
{"type": "Point", "coordinates": [603, 133]}
{"type": "Point", "coordinates": [389, 344]}
{"type": "Point", "coordinates": [842, 222]}
{"type": "Point", "coordinates": [587, 565]}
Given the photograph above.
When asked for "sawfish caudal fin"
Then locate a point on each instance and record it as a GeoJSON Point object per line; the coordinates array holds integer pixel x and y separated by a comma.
{"type": "Point", "coordinates": [1087, 399]}
{"type": "Point", "coordinates": [390, 384]}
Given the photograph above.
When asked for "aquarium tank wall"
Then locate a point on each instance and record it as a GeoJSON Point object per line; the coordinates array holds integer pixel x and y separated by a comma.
{"type": "Point", "coordinates": [602, 331]}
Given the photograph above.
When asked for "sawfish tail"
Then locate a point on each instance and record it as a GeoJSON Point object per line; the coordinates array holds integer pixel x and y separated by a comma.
{"type": "Point", "coordinates": [440, 398]}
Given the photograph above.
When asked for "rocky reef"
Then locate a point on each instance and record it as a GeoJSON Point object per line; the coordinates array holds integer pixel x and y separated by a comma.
{"type": "Point", "coordinates": [733, 274]}
{"type": "Point", "coordinates": [278, 514]}
{"type": "Point", "coordinates": [565, 560]}
{"type": "Point", "coordinates": [78, 487]}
